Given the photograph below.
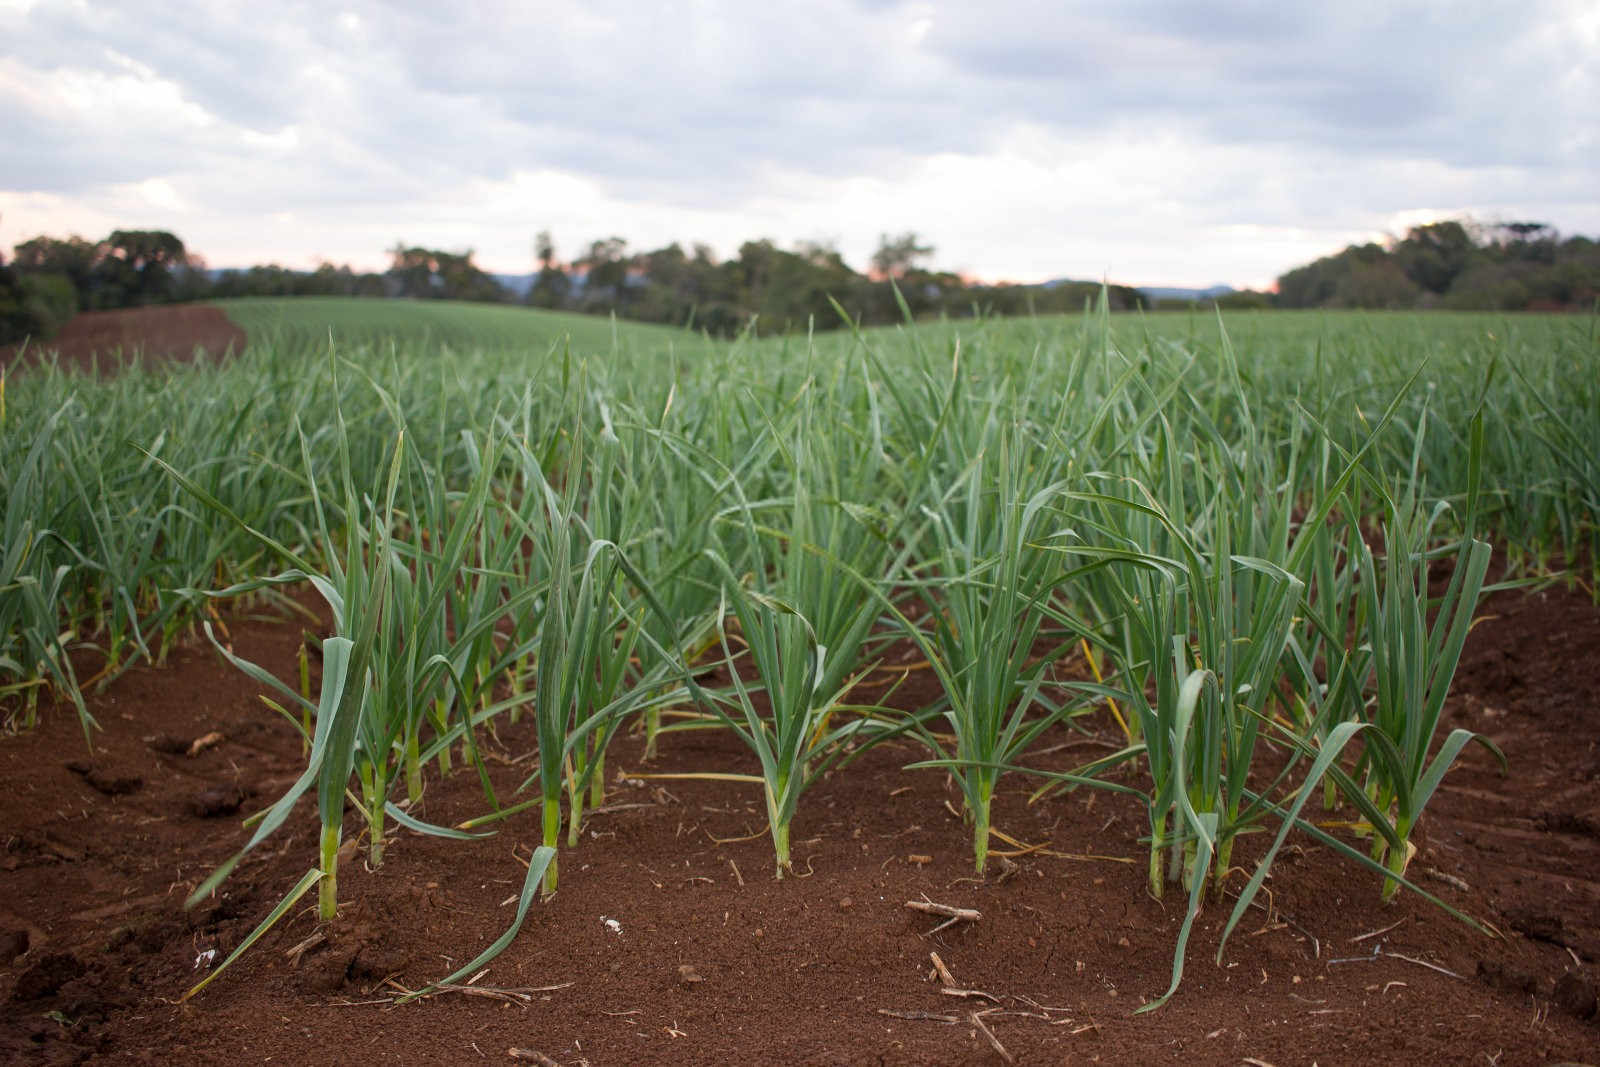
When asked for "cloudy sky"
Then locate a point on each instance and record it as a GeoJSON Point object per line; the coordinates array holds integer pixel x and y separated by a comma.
{"type": "Point", "coordinates": [1156, 142]}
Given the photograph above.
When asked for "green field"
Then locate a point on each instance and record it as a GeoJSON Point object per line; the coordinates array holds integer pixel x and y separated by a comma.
{"type": "Point", "coordinates": [1231, 524]}
{"type": "Point", "coordinates": [439, 325]}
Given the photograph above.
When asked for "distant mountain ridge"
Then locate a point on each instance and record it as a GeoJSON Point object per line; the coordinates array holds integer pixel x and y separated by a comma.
{"type": "Point", "coordinates": [518, 284]}
{"type": "Point", "coordinates": [1167, 292]}
{"type": "Point", "coordinates": [1154, 292]}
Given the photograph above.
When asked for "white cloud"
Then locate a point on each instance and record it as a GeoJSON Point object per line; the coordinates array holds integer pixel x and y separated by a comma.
{"type": "Point", "coordinates": [1155, 142]}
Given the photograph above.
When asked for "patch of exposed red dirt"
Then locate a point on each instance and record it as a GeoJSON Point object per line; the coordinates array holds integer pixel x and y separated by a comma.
{"type": "Point", "coordinates": [708, 959]}
{"type": "Point", "coordinates": [107, 339]}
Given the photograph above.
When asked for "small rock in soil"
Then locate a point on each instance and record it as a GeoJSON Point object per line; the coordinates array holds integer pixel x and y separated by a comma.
{"type": "Point", "coordinates": [155, 935]}
{"type": "Point", "coordinates": [1576, 996]}
{"type": "Point", "coordinates": [1282, 950]}
{"type": "Point", "coordinates": [13, 943]}
{"type": "Point", "coordinates": [326, 971]}
{"type": "Point", "coordinates": [1509, 977]}
{"type": "Point", "coordinates": [1566, 822]}
{"type": "Point", "coordinates": [90, 1010]}
{"type": "Point", "coordinates": [47, 976]}
{"type": "Point", "coordinates": [379, 960]}
{"type": "Point", "coordinates": [216, 802]}
{"type": "Point", "coordinates": [107, 782]}
{"type": "Point", "coordinates": [354, 951]}
{"type": "Point", "coordinates": [229, 906]}
{"type": "Point", "coordinates": [1540, 926]}
{"type": "Point", "coordinates": [168, 745]}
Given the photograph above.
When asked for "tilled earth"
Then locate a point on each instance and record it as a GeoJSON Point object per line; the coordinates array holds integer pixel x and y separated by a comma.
{"type": "Point", "coordinates": [106, 340]}
{"type": "Point", "coordinates": [671, 942]}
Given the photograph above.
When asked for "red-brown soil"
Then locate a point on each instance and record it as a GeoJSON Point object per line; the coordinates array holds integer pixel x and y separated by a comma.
{"type": "Point", "coordinates": [716, 962]}
{"type": "Point", "coordinates": [106, 339]}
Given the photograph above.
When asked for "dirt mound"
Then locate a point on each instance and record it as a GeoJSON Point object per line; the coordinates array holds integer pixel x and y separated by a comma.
{"type": "Point", "coordinates": [107, 339]}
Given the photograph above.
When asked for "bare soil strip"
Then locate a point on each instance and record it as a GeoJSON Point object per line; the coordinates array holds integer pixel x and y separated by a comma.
{"type": "Point", "coordinates": [670, 942]}
{"type": "Point", "coordinates": [107, 339]}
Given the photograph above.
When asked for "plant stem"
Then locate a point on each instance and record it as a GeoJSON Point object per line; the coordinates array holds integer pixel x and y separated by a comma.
{"type": "Point", "coordinates": [328, 889]}
{"type": "Point", "coordinates": [552, 834]}
{"type": "Point", "coordinates": [413, 767]}
{"type": "Point", "coordinates": [780, 829]}
{"type": "Point", "coordinates": [980, 831]}
{"type": "Point", "coordinates": [597, 781]}
{"type": "Point", "coordinates": [375, 802]}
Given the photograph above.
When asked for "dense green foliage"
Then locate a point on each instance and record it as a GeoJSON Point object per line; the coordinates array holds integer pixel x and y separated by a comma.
{"type": "Point", "coordinates": [513, 513]}
{"type": "Point", "coordinates": [1457, 265]}
{"type": "Point", "coordinates": [16, 320]}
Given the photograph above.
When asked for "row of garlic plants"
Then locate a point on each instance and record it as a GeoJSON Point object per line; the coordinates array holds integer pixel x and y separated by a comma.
{"type": "Point", "coordinates": [1240, 545]}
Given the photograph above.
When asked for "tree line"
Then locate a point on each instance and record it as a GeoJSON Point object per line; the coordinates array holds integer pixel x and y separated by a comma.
{"type": "Point", "coordinates": [770, 288]}
{"type": "Point", "coordinates": [1451, 264]}
{"type": "Point", "coordinates": [52, 279]}
{"type": "Point", "coordinates": [1457, 264]}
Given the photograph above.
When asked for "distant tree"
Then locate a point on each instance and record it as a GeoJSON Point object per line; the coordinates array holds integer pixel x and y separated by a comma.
{"type": "Point", "coordinates": [789, 290]}
{"type": "Point", "coordinates": [1332, 281]}
{"type": "Point", "coordinates": [428, 273]}
{"type": "Point", "coordinates": [138, 267]}
{"type": "Point", "coordinates": [717, 309]}
{"type": "Point", "coordinates": [414, 271]}
{"type": "Point", "coordinates": [1536, 242]}
{"type": "Point", "coordinates": [1378, 284]}
{"type": "Point", "coordinates": [1455, 263]}
{"type": "Point", "coordinates": [368, 284]}
{"type": "Point", "coordinates": [1432, 255]}
{"type": "Point", "coordinates": [552, 287]}
{"type": "Point", "coordinates": [897, 255]}
{"type": "Point", "coordinates": [824, 255]}
{"type": "Point", "coordinates": [670, 291]}
{"type": "Point", "coordinates": [267, 280]}
{"type": "Point", "coordinates": [753, 273]}
{"type": "Point", "coordinates": [1488, 285]}
{"type": "Point", "coordinates": [50, 300]}
{"type": "Point", "coordinates": [1244, 300]}
{"type": "Point", "coordinates": [72, 258]}
{"type": "Point", "coordinates": [605, 269]}
{"type": "Point", "coordinates": [327, 280]}
{"type": "Point", "coordinates": [16, 320]}
{"type": "Point", "coordinates": [192, 281]}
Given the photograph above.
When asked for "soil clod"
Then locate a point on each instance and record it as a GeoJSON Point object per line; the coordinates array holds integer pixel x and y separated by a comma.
{"type": "Point", "coordinates": [168, 745]}
{"type": "Point", "coordinates": [106, 782]}
{"type": "Point", "coordinates": [13, 943]}
{"type": "Point", "coordinates": [1539, 925]}
{"type": "Point", "coordinates": [45, 978]}
{"type": "Point", "coordinates": [1575, 995]}
{"type": "Point", "coordinates": [1508, 976]}
{"type": "Point", "coordinates": [216, 802]}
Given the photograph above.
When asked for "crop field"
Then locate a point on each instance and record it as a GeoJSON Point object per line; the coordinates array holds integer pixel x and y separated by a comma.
{"type": "Point", "coordinates": [459, 682]}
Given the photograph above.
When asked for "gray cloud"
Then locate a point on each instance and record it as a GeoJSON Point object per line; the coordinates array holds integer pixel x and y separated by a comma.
{"type": "Point", "coordinates": [316, 108]}
{"type": "Point", "coordinates": [1369, 79]}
